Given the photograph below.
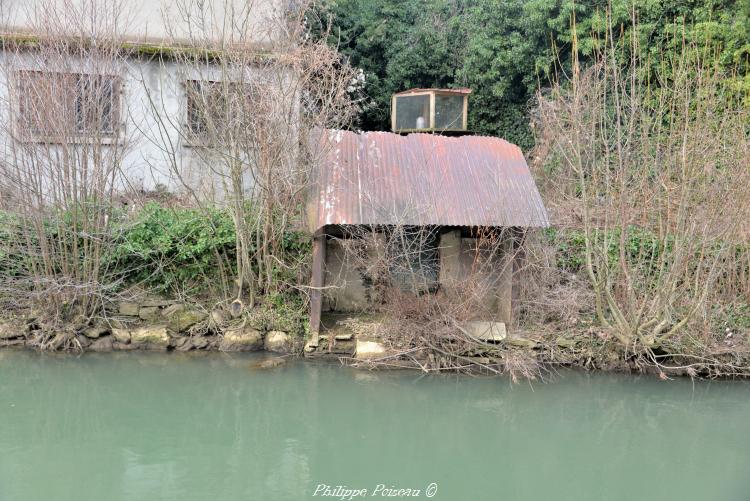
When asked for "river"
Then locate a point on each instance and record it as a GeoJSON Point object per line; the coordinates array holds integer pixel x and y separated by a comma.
{"type": "Point", "coordinates": [147, 426]}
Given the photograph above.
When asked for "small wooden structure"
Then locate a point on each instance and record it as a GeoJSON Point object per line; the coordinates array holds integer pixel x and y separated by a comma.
{"type": "Point", "coordinates": [430, 110]}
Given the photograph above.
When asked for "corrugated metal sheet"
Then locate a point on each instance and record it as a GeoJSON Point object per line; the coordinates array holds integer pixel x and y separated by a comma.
{"type": "Point", "coordinates": [423, 179]}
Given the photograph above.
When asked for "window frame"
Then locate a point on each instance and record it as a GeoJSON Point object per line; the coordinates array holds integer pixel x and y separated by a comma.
{"type": "Point", "coordinates": [24, 133]}
{"type": "Point", "coordinates": [432, 93]}
{"type": "Point", "coordinates": [193, 139]}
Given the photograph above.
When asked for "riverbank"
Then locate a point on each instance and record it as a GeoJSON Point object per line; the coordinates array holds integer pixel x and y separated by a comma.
{"type": "Point", "coordinates": [362, 341]}
{"type": "Point", "coordinates": [161, 252]}
{"type": "Point", "coordinates": [159, 324]}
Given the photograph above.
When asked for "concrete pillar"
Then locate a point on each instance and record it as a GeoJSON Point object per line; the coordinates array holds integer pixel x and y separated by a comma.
{"type": "Point", "coordinates": [519, 261]}
{"type": "Point", "coordinates": [318, 282]}
{"type": "Point", "coordinates": [450, 258]}
{"type": "Point", "coordinates": [505, 284]}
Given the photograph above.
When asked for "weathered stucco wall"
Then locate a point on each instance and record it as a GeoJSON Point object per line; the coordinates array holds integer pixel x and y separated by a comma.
{"type": "Point", "coordinates": [144, 20]}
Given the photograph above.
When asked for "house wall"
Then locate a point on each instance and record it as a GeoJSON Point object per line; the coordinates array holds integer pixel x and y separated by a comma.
{"type": "Point", "coordinates": [147, 86]}
{"type": "Point", "coordinates": [153, 115]}
{"type": "Point", "coordinates": [153, 100]}
{"type": "Point", "coordinates": [144, 20]}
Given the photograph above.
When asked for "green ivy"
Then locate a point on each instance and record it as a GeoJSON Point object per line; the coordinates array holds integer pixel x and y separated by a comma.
{"type": "Point", "coordinates": [168, 250]}
{"type": "Point", "coordinates": [181, 249]}
{"type": "Point", "coordinates": [643, 248]}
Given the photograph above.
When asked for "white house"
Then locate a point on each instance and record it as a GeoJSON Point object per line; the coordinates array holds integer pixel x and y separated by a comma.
{"type": "Point", "coordinates": [151, 106]}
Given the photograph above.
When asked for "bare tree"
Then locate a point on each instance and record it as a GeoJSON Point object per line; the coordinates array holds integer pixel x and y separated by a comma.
{"type": "Point", "coordinates": [63, 145]}
{"type": "Point", "coordinates": [653, 159]}
{"type": "Point", "coordinates": [255, 93]}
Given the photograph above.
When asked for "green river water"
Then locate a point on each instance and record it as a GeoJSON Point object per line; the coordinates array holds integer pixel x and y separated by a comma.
{"type": "Point", "coordinates": [140, 426]}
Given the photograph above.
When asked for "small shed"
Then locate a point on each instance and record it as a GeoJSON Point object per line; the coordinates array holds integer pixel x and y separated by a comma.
{"type": "Point", "coordinates": [457, 186]}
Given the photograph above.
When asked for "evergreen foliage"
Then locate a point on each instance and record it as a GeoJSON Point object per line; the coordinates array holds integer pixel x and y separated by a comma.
{"type": "Point", "coordinates": [506, 49]}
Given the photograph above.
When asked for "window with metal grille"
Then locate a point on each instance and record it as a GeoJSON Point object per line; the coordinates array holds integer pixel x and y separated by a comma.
{"type": "Point", "coordinates": [218, 111]}
{"type": "Point", "coordinates": [57, 105]}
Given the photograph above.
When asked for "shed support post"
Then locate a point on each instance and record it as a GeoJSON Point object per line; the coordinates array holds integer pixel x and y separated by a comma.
{"type": "Point", "coordinates": [318, 278]}
{"type": "Point", "coordinates": [449, 251]}
{"type": "Point", "coordinates": [519, 262]}
{"type": "Point", "coordinates": [505, 296]}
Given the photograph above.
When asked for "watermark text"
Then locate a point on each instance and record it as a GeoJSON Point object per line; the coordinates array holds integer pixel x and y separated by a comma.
{"type": "Point", "coordinates": [347, 493]}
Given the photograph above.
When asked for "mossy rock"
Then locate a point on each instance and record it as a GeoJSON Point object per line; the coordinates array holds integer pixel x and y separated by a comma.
{"type": "Point", "coordinates": [156, 302]}
{"type": "Point", "coordinates": [84, 341]}
{"type": "Point", "coordinates": [121, 335]}
{"type": "Point", "coordinates": [278, 342]}
{"type": "Point", "coordinates": [103, 344]}
{"type": "Point", "coordinates": [129, 308]}
{"type": "Point", "coordinates": [152, 337]}
{"type": "Point", "coordinates": [9, 330]}
{"type": "Point", "coordinates": [181, 317]}
{"type": "Point", "coordinates": [270, 363]}
{"type": "Point", "coordinates": [149, 313]}
{"type": "Point", "coordinates": [200, 342]}
{"type": "Point", "coordinates": [244, 339]}
{"type": "Point", "coordinates": [95, 332]}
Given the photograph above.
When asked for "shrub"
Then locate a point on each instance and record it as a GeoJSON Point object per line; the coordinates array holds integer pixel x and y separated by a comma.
{"type": "Point", "coordinates": [184, 251]}
{"type": "Point", "coordinates": [175, 250]}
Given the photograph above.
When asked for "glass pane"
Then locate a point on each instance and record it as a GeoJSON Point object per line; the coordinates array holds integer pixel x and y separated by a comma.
{"type": "Point", "coordinates": [449, 112]}
{"type": "Point", "coordinates": [412, 112]}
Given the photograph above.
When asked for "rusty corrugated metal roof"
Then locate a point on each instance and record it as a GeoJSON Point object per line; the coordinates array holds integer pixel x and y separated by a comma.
{"type": "Point", "coordinates": [378, 178]}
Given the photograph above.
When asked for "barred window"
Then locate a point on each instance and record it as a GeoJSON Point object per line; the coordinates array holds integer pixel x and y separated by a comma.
{"type": "Point", "coordinates": [216, 110]}
{"type": "Point", "coordinates": [61, 105]}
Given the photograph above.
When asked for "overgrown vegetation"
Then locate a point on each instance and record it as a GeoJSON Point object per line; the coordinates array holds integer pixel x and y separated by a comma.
{"type": "Point", "coordinates": [175, 251]}
{"type": "Point", "coordinates": [179, 252]}
{"type": "Point", "coordinates": [638, 112]}
{"type": "Point", "coordinates": [505, 50]}
{"type": "Point", "coordinates": [646, 164]}
{"type": "Point", "coordinates": [186, 252]}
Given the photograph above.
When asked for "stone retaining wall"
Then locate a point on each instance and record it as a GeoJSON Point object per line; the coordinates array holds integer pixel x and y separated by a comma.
{"type": "Point", "coordinates": [161, 325]}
